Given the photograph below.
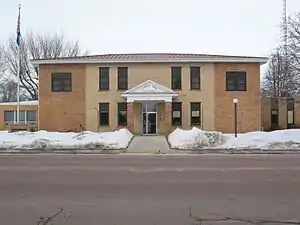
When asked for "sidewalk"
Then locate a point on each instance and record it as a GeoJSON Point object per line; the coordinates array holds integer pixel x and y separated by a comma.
{"type": "Point", "coordinates": [148, 144]}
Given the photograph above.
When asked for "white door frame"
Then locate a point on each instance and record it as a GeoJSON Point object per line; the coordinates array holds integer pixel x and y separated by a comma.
{"type": "Point", "coordinates": [146, 125]}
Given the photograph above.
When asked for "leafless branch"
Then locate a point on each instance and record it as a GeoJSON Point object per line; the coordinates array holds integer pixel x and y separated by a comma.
{"type": "Point", "coordinates": [279, 80]}
{"type": "Point", "coordinates": [283, 76]}
{"type": "Point", "coordinates": [35, 46]}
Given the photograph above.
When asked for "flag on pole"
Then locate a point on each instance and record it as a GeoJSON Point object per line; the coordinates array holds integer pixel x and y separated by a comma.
{"type": "Point", "coordinates": [19, 29]}
{"type": "Point", "coordinates": [18, 73]}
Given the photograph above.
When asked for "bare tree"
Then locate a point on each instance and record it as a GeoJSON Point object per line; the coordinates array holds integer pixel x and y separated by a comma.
{"type": "Point", "coordinates": [8, 88]}
{"type": "Point", "coordinates": [8, 91]}
{"type": "Point", "coordinates": [35, 46]}
{"type": "Point", "coordinates": [294, 42]}
{"type": "Point", "coordinates": [283, 75]}
{"type": "Point", "coordinates": [2, 64]}
{"type": "Point", "coordinates": [280, 79]}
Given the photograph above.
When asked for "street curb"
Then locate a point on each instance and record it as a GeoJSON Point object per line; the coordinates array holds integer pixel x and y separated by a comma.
{"type": "Point", "coordinates": [238, 151]}
{"type": "Point", "coordinates": [169, 152]}
{"type": "Point", "coordinates": [73, 151]}
{"type": "Point", "coordinates": [161, 154]}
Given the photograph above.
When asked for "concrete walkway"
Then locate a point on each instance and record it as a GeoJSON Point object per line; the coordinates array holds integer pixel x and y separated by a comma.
{"type": "Point", "coordinates": [148, 144]}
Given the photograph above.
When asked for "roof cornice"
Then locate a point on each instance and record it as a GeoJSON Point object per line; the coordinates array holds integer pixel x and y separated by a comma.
{"type": "Point", "coordinates": [261, 60]}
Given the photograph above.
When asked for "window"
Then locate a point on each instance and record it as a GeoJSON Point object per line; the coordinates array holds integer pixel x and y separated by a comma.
{"type": "Point", "coordinates": [9, 117]}
{"type": "Point", "coordinates": [104, 78]}
{"type": "Point", "coordinates": [195, 78]}
{"type": "Point", "coordinates": [176, 78]}
{"type": "Point", "coordinates": [176, 113]}
{"type": "Point", "coordinates": [195, 113]}
{"type": "Point", "coordinates": [236, 81]}
{"type": "Point", "coordinates": [22, 116]}
{"type": "Point", "coordinates": [274, 112]}
{"type": "Point", "coordinates": [61, 82]}
{"type": "Point", "coordinates": [274, 116]}
{"type": "Point", "coordinates": [290, 108]}
{"type": "Point", "coordinates": [26, 117]}
{"type": "Point", "coordinates": [103, 114]}
{"type": "Point", "coordinates": [31, 117]}
{"type": "Point", "coordinates": [122, 78]}
{"type": "Point", "coordinates": [122, 114]}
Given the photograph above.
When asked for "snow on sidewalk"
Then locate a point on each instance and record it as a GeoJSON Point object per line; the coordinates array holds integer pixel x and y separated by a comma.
{"type": "Point", "coordinates": [196, 138]}
{"type": "Point", "coordinates": [59, 140]}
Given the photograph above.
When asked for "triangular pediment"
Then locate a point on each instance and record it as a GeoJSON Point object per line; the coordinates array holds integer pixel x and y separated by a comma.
{"type": "Point", "coordinates": [148, 87]}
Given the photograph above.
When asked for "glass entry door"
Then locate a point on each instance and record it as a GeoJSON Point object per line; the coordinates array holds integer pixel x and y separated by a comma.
{"type": "Point", "coordinates": [151, 123]}
{"type": "Point", "coordinates": [149, 119]}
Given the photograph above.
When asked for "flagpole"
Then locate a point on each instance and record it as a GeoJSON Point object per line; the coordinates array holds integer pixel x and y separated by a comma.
{"type": "Point", "coordinates": [18, 88]}
{"type": "Point", "coordinates": [18, 75]}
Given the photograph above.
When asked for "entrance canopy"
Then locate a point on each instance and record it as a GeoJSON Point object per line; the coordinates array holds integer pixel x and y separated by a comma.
{"type": "Point", "coordinates": [149, 91]}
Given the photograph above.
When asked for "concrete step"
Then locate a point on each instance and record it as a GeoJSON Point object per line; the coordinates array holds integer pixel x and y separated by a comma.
{"type": "Point", "coordinates": [148, 144]}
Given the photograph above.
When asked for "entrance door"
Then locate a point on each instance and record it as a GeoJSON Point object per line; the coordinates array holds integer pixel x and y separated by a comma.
{"type": "Point", "coordinates": [149, 119]}
{"type": "Point", "coordinates": [152, 123]}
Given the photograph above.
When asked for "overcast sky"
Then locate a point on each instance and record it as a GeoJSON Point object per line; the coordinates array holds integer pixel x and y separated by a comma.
{"type": "Point", "coordinates": [236, 27]}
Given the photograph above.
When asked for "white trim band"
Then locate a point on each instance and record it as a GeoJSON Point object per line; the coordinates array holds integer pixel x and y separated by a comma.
{"type": "Point", "coordinates": [261, 60]}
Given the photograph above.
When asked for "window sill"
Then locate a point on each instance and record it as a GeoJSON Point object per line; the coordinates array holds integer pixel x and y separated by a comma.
{"type": "Point", "coordinates": [236, 90]}
{"type": "Point", "coordinates": [60, 91]}
{"type": "Point", "coordinates": [195, 125]}
{"type": "Point", "coordinates": [103, 90]}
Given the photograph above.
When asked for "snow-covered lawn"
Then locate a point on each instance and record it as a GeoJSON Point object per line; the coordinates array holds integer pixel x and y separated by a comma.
{"type": "Point", "coordinates": [196, 138]}
{"type": "Point", "coordinates": [59, 140]}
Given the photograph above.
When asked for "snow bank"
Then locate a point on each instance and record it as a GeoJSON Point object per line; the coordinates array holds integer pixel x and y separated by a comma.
{"type": "Point", "coordinates": [280, 139]}
{"type": "Point", "coordinates": [59, 140]}
{"type": "Point", "coordinates": [196, 138]}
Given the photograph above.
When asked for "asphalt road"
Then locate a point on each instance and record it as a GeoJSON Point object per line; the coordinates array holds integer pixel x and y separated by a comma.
{"type": "Point", "coordinates": [144, 190]}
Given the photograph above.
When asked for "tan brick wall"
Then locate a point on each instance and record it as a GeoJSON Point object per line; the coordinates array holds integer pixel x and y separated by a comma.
{"type": "Point", "coordinates": [130, 117]}
{"type": "Point", "coordinates": [266, 113]}
{"type": "Point", "coordinates": [62, 111]}
{"type": "Point", "coordinates": [297, 112]}
{"type": "Point", "coordinates": [282, 113]}
{"type": "Point", "coordinates": [168, 117]}
{"type": "Point", "coordinates": [249, 106]}
{"type": "Point", "coordinates": [161, 128]}
{"type": "Point", "coordinates": [164, 118]}
{"type": "Point", "coordinates": [206, 96]}
{"type": "Point", "coordinates": [137, 118]}
{"type": "Point", "coordinates": [138, 73]}
{"type": "Point", "coordinates": [65, 111]}
{"type": "Point", "coordinates": [14, 107]}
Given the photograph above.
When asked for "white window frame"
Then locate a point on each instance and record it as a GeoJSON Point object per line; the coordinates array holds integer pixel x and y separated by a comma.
{"type": "Point", "coordinates": [15, 118]}
{"type": "Point", "coordinates": [290, 117]}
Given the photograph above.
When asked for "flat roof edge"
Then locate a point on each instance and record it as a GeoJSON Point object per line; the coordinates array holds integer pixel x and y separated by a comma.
{"type": "Point", "coordinates": [261, 60]}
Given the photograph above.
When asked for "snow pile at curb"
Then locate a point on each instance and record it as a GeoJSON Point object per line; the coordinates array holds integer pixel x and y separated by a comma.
{"type": "Point", "coordinates": [59, 140]}
{"type": "Point", "coordinates": [280, 139]}
{"type": "Point", "coordinates": [196, 139]}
